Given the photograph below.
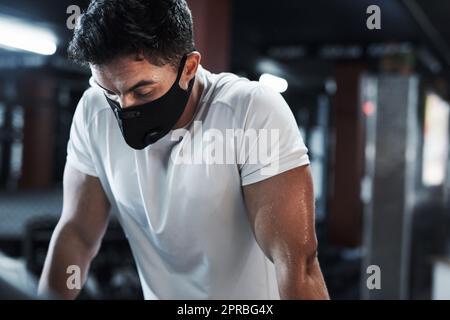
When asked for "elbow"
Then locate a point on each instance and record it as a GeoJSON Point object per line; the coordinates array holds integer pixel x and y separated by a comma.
{"type": "Point", "coordinates": [299, 275]}
{"type": "Point", "coordinates": [303, 267]}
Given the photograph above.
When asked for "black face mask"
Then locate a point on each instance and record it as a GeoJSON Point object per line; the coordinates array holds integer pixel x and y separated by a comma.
{"type": "Point", "coordinates": [145, 124]}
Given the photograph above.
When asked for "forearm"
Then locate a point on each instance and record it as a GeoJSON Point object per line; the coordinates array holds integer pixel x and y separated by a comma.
{"type": "Point", "coordinates": [303, 282]}
{"type": "Point", "coordinates": [66, 249]}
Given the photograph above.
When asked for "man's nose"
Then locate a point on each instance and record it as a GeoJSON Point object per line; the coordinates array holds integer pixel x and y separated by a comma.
{"type": "Point", "coordinates": [126, 101]}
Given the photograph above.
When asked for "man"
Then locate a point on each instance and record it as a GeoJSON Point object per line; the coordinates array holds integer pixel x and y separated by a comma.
{"type": "Point", "coordinates": [208, 229]}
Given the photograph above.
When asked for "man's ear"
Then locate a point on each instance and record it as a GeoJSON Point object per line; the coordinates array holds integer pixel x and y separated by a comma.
{"type": "Point", "coordinates": [190, 68]}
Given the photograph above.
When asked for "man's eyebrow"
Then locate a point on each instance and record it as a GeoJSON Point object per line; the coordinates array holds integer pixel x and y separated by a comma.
{"type": "Point", "coordinates": [141, 84]}
{"type": "Point", "coordinates": [95, 81]}
{"type": "Point", "coordinates": [134, 87]}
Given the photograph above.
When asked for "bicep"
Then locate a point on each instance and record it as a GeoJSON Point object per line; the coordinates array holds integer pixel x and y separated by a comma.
{"type": "Point", "coordinates": [281, 212]}
{"type": "Point", "coordinates": [85, 205]}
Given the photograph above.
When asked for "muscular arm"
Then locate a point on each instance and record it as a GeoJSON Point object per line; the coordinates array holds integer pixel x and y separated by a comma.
{"type": "Point", "coordinates": [281, 212]}
{"type": "Point", "coordinates": [77, 236]}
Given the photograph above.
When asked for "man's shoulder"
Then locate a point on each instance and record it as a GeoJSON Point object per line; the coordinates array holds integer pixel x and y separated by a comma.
{"type": "Point", "coordinates": [239, 92]}
{"type": "Point", "coordinates": [91, 103]}
{"type": "Point", "coordinates": [95, 99]}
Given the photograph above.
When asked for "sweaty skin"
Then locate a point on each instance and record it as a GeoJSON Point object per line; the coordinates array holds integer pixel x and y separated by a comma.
{"type": "Point", "coordinates": [281, 212]}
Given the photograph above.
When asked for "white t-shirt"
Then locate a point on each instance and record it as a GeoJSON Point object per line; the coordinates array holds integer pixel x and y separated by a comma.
{"type": "Point", "coordinates": [187, 223]}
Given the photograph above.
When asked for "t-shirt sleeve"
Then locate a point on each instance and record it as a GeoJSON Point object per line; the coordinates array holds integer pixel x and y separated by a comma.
{"type": "Point", "coordinates": [271, 142]}
{"type": "Point", "coordinates": [79, 148]}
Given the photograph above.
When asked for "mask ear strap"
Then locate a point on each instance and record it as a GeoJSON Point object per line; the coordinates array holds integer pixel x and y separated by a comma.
{"type": "Point", "coordinates": [191, 84]}
{"type": "Point", "coordinates": [180, 72]}
{"type": "Point", "coordinates": [181, 67]}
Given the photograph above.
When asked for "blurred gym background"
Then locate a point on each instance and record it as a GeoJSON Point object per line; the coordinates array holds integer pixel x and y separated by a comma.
{"type": "Point", "coordinates": [372, 105]}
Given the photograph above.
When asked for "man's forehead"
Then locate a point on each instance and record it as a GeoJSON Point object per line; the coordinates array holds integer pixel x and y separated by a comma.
{"type": "Point", "coordinates": [122, 74]}
{"type": "Point", "coordinates": [124, 65]}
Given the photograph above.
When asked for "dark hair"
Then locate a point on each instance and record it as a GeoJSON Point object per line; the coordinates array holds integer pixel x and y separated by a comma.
{"type": "Point", "coordinates": [161, 30]}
